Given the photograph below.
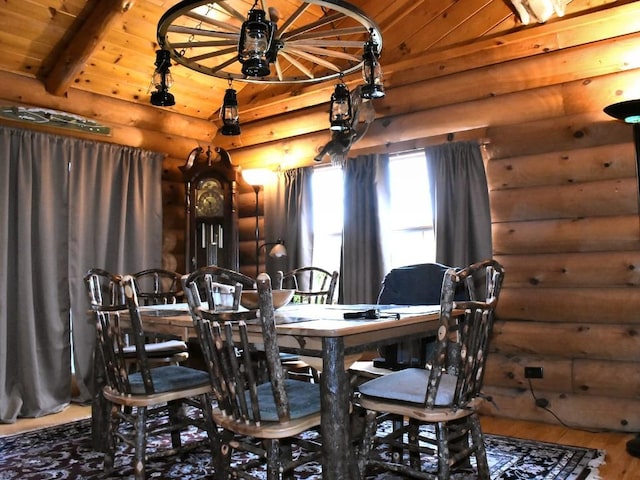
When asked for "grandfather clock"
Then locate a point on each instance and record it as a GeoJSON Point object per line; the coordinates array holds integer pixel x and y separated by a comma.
{"type": "Point", "coordinates": [211, 236]}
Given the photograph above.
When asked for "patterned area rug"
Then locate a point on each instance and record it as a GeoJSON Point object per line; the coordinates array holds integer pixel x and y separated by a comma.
{"type": "Point", "coordinates": [64, 452]}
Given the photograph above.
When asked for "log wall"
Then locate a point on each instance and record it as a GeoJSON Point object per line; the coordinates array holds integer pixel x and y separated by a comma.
{"type": "Point", "coordinates": [567, 230]}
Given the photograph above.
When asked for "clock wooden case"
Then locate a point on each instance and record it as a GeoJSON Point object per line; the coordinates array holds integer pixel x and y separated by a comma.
{"type": "Point", "coordinates": [211, 236]}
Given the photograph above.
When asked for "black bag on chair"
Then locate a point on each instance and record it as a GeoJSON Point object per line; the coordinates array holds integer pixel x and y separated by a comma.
{"type": "Point", "coordinates": [410, 285]}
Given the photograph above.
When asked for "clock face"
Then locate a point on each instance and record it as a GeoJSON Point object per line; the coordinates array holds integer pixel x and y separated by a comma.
{"type": "Point", "coordinates": [209, 199]}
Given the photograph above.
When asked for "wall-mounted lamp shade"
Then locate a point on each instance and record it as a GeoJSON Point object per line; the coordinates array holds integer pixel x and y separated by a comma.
{"type": "Point", "coordinates": [371, 72]}
{"type": "Point", "coordinates": [254, 46]}
{"type": "Point", "coordinates": [628, 111]}
{"type": "Point", "coordinates": [162, 80]}
{"type": "Point", "coordinates": [229, 114]}
{"type": "Point", "coordinates": [340, 112]}
{"type": "Point", "coordinates": [258, 176]}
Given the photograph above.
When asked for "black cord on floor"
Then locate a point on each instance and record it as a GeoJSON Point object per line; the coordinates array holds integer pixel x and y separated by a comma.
{"type": "Point", "coordinates": [543, 403]}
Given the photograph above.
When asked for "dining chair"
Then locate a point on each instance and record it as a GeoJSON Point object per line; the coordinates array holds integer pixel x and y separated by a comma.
{"type": "Point", "coordinates": [150, 401]}
{"type": "Point", "coordinates": [157, 286]}
{"type": "Point", "coordinates": [265, 417]}
{"type": "Point", "coordinates": [311, 284]}
{"type": "Point", "coordinates": [446, 395]}
{"type": "Point", "coordinates": [105, 289]}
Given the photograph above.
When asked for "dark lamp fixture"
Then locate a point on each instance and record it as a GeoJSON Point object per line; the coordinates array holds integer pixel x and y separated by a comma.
{"type": "Point", "coordinates": [629, 112]}
{"type": "Point", "coordinates": [255, 44]}
{"type": "Point", "coordinates": [371, 71]}
{"type": "Point", "coordinates": [257, 178]}
{"type": "Point", "coordinates": [340, 112]}
{"type": "Point", "coordinates": [162, 80]}
{"type": "Point", "coordinates": [229, 113]}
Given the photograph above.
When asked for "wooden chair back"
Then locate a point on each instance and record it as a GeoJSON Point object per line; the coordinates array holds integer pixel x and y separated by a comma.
{"type": "Point", "coordinates": [311, 284]}
{"type": "Point", "coordinates": [462, 340]}
{"type": "Point", "coordinates": [113, 343]}
{"type": "Point", "coordinates": [157, 286]}
{"type": "Point", "coordinates": [202, 286]}
{"type": "Point", "coordinates": [104, 289]}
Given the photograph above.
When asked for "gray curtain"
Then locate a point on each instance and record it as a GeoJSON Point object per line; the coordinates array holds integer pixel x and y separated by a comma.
{"type": "Point", "coordinates": [366, 210]}
{"type": "Point", "coordinates": [460, 203]}
{"type": "Point", "coordinates": [116, 224]}
{"type": "Point", "coordinates": [289, 216]}
{"type": "Point", "coordinates": [52, 209]}
{"type": "Point", "coordinates": [35, 349]}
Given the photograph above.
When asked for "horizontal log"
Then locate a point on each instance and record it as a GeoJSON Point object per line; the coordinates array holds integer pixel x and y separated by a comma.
{"type": "Point", "coordinates": [508, 371]}
{"type": "Point", "coordinates": [613, 342]}
{"type": "Point", "coordinates": [174, 217]}
{"type": "Point", "coordinates": [247, 228]}
{"type": "Point", "coordinates": [575, 305]}
{"type": "Point", "coordinates": [567, 235]}
{"type": "Point", "coordinates": [612, 379]}
{"type": "Point", "coordinates": [588, 199]}
{"type": "Point", "coordinates": [170, 239]}
{"type": "Point", "coordinates": [606, 162]}
{"type": "Point", "coordinates": [575, 410]}
{"type": "Point", "coordinates": [173, 193]}
{"type": "Point", "coordinates": [572, 270]}
{"type": "Point", "coordinates": [567, 132]}
{"type": "Point", "coordinates": [170, 262]}
{"type": "Point", "coordinates": [582, 376]}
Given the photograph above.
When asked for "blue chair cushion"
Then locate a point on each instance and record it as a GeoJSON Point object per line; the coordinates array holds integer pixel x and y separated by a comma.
{"type": "Point", "coordinates": [169, 378]}
{"type": "Point", "coordinates": [304, 399]}
{"type": "Point", "coordinates": [410, 385]}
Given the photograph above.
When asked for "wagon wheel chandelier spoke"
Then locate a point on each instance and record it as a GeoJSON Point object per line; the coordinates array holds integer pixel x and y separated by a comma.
{"type": "Point", "coordinates": [316, 40]}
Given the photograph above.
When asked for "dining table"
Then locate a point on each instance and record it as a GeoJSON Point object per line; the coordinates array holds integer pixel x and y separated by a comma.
{"type": "Point", "coordinates": [319, 331]}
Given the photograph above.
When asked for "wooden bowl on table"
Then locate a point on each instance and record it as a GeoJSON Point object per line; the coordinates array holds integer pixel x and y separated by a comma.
{"type": "Point", "coordinates": [249, 298]}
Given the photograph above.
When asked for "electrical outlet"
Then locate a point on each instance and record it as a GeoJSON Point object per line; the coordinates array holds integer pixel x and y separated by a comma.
{"type": "Point", "coordinates": [532, 372]}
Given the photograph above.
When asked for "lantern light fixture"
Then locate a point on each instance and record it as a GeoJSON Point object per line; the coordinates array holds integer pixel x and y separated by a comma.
{"type": "Point", "coordinates": [256, 44]}
{"type": "Point", "coordinates": [340, 112]}
{"type": "Point", "coordinates": [162, 80]}
{"type": "Point", "coordinates": [229, 113]}
{"type": "Point", "coordinates": [371, 70]}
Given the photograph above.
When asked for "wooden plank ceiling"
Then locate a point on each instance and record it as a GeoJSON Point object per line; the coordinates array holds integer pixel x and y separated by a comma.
{"type": "Point", "coordinates": [108, 47]}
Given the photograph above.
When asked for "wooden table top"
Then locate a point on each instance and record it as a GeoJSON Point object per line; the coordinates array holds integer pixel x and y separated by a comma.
{"type": "Point", "coordinates": [315, 320]}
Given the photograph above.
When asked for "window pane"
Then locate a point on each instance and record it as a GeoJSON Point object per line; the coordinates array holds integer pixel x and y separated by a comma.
{"type": "Point", "coordinates": [410, 201]}
{"type": "Point", "coordinates": [327, 217]}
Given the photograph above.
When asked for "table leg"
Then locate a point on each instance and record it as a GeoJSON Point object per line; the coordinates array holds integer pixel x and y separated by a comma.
{"type": "Point", "coordinates": [335, 427]}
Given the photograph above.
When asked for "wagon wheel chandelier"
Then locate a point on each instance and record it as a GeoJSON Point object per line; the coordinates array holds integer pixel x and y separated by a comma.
{"type": "Point", "coordinates": [293, 42]}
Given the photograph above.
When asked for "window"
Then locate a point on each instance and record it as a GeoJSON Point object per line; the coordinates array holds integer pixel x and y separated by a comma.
{"type": "Point", "coordinates": [327, 217]}
{"type": "Point", "coordinates": [412, 239]}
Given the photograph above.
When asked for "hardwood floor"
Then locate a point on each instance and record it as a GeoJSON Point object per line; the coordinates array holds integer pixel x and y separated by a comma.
{"type": "Point", "coordinates": [619, 464]}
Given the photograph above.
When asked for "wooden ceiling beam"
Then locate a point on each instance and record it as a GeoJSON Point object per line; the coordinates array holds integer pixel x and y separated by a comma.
{"type": "Point", "coordinates": [82, 45]}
